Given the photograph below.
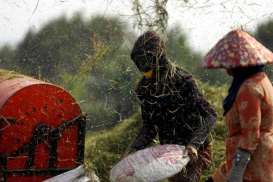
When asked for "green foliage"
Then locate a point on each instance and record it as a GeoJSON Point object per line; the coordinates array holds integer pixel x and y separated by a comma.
{"type": "Point", "coordinates": [215, 95]}
{"type": "Point", "coordinates": [179, 50]}
{"type": "Point", "coordinates": [7, 58]}
{"type": "Point", "coordinates": [76, 86]}
{"type": "Point", "coordinates": [60, 45]}
{"type": "Point", "coordinates": [105, 77]}
{"type": "Point", "coordinates": [111, 84]}
{"type": "Point", "coordinates": [181, 53]}
{"type": "Point", "coordinates": [264, 34]}
{"type": "Point", "coordinates": [105, 148]}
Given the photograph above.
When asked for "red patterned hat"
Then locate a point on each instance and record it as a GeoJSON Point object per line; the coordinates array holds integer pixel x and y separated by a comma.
{"type": "Point", "coordinates": [237, 49]}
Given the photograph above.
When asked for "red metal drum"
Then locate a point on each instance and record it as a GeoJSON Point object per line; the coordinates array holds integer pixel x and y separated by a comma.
{"type": "Point", "coordinates": [41, 130]}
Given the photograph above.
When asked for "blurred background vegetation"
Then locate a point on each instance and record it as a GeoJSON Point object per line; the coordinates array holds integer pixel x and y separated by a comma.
{"type": "Point", "coordinates": [91, 59]}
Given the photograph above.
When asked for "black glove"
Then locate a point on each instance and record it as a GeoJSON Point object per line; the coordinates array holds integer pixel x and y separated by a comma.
{"type": "Point", "coordinates": [239, 164]}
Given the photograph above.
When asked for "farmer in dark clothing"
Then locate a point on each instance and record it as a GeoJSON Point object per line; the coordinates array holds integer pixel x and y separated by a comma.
{"type": "Point", "coordinates": [172, 107]}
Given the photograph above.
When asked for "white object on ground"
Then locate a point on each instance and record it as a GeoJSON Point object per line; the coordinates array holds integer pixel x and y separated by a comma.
{"type": "Point", "coordinates": [151, 164]}
{"type": "Point", "coordinates": [74, 175]}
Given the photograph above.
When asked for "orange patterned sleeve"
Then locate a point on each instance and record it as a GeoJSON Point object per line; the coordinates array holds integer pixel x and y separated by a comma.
{"type": "Point", "coordinates": [249, 108]}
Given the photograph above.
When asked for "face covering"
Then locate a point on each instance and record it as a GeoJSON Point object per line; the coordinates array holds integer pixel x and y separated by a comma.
{"type": "Point", "coordinates": [148, 74]}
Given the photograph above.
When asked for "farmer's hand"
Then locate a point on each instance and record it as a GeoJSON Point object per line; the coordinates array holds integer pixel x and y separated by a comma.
{"type": "Point", "coordinates": [192, 152]}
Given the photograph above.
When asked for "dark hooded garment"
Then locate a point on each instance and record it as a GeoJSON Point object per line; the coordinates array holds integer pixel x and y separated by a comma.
{"type": "Point", "coordinates": [172, 107]}
{"type": "Point", "coordinates": [175, 109]}
{"type": "Point", "coordinates": [171, 104]}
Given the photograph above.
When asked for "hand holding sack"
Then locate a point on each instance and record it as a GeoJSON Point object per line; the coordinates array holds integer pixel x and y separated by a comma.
{"type": "Point", "coordinates": [192, 152]}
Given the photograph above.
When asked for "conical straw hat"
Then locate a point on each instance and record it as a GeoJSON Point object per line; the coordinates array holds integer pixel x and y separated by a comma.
{"type": "Point", "coordinates": [237, 49]}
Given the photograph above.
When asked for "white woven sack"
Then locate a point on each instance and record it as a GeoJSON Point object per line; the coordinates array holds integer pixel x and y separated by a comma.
{"type": "Point", "coordinates": [74, 175]}
{"type": "Point", "coordinates": [151, 164]}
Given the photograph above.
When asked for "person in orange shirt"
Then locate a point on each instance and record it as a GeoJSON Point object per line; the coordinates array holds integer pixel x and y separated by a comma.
{"type": "Point", "coordinates": [248, 109]}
